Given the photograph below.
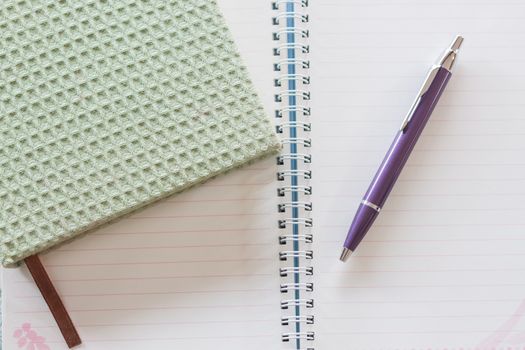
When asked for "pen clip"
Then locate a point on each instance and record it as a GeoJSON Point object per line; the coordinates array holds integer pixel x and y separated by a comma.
{"type": "Point", "coordinates": [428, 81]}
{"type": "Point", "coordinates": [446, 61]}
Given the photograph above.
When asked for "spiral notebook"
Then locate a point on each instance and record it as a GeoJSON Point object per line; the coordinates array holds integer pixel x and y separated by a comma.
{"type": "Point", "coordinates": [250, 260]}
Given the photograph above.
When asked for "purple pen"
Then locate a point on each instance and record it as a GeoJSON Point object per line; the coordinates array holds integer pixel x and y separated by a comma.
{"type": "Point", "coordinates": [400, 150]}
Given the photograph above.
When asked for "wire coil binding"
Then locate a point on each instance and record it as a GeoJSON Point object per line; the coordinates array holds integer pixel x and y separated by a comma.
{"type": "Point", "coordinates": [292, 115]}
{"type": "Point", "coordinates": [285, 321]}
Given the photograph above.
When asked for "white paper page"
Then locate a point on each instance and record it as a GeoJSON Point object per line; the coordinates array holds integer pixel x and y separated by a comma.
{"type": "Point", "coordinates": [443, 267]}
{"type": "Point", "coordinates": [197, 271]}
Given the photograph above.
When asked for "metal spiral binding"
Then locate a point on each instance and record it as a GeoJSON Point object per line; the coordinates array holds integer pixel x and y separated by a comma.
{"type": "Point", "coordinates": [292, 115]}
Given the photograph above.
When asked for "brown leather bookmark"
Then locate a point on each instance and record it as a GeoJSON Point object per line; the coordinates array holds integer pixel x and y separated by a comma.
{"type": "Point", "coordinates": [53, 300]}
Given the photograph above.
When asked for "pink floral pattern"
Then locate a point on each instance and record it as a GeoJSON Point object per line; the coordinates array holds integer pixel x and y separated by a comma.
{"type": "Point", "coordinates": [28, 339]}
{"type": "Point", "coordinates": [503, 337]}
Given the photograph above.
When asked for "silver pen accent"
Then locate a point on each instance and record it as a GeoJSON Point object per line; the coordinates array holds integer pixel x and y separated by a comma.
{"type": "Point", "coordinates": [449, 57]}
{"type": "Point", "coordinates": [371, 205]}
{"type": "Point", "coordinates": [446, 61]}
{"type": "Point", "coordinates": [345, 254]}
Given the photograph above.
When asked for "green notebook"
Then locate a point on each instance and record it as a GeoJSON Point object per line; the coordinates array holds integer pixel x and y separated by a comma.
{"type": "Point", "coordinates": [106, 106]}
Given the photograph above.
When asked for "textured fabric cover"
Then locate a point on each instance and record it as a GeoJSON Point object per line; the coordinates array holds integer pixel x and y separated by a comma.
{"type": "Point", "coordinates": [107, 105]}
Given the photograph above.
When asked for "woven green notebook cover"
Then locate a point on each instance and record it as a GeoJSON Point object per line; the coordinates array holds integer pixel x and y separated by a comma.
{"type": "Point", "coordinates": [108, 105]}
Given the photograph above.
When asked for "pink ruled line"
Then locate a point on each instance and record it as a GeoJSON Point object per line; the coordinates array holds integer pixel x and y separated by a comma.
{"type": "Point", "coordinates": [134, 340]}
{"type": "Point", "coordinates": [416, 271]}
{"type": "Point", "coordinates": [221, 306]}
{"type": "Point", "coordinates": [169, 247]}
{"type": "Point", "coordinates": [137, 217]}
{"type": "Point", "coordinates": [152, 278]}
{"type": "Point", "coordinates": [428, 149]}
{"type": "Point", "coordinates": [430, 180]}
{"type": "Point", "coordinates": [386, 286]}
{"type": "Point", "coordinates": [432, 195]}
{"type": "Point", "coordinates": [218, 200]}
{"type": "Point", "coordinates": [183, 232]}
{"type": "Point", "coordinates": [431, 210]}
{"type": "Point", "coordinates": [86, 325]}
{"type": "Point", "coordinates": [427, 301]}
{"type": "Point", "coordinates": [337, 227]}
{"type": "Point", "coordinates": [423, 165]}
{"type": "Point", "coordinates": [412, 317]}
{"type": "Point", "coordinates": [422, 332]}
{"type": "Point", "coordinates": [423, 151]}
{"type": "Point", "coordinates": [449, 121]}
{"type": "Point", "coordinates": [162, 263]}
{"type": "Point", "coordinates": [383, 136]}
{"type": "Point", "coordinates": [39, 296]}
{"type": "Point", "coordinates": [427, 255]}
{"type": "Point", "coordinates": [237, 184]}
{"type": "Point", "coordinates": [431, 240]}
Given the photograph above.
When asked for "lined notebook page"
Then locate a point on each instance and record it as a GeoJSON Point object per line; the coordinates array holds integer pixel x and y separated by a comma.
{"type": "Point", "coordinates": [443, 266]}
{"type": "Point", "coordinates": [197, 271]}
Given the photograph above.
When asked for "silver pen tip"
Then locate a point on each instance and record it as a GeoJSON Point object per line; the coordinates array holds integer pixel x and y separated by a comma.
{"type": "Point", "coordinates": [449, 57]}
{"type": "Point", "coordinates": [345, 254]}
{"type": "Point", "coordinates": [456, 44]}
